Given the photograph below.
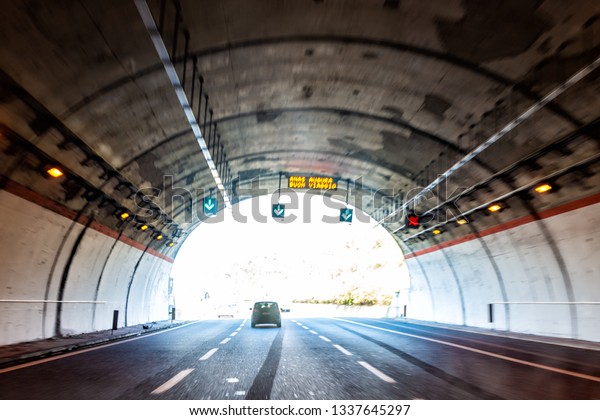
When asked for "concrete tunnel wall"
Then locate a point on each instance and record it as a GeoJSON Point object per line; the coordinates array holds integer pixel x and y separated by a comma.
{"type": "Point", "coordinates": [34, 258]}
{"type": "Point", "coordinates": [455, 282]}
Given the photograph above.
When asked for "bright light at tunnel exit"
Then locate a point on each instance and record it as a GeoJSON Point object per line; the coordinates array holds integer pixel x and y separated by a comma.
{"type": "Point", "coordinates": [308, 264]}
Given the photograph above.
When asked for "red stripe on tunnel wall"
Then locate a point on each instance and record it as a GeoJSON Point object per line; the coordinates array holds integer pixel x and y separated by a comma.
{"type": "Point", "coordinates": [565, 208]}
{"type": "Point", "coordinates": [33, 197]}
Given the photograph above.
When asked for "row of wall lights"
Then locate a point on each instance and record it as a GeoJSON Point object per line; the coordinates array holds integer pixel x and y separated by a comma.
{"type": "Point", "coordinates": [492, 208]}
{"type": "Point", "coordinates": [56, 172]}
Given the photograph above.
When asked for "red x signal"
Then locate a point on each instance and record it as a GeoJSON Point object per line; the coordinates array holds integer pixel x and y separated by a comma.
{"type": "Point", "coordinates": [413, 220]}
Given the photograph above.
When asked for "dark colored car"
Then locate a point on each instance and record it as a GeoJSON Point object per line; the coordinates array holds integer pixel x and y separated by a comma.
{"type": "Point", "coordinates": [265, 313]}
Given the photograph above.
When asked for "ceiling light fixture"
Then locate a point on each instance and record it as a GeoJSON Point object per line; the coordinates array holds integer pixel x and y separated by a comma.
{"type": "Point", "coordinates": [543, 188]}
{"type": "Point", "coordinates": [494, 208]}
{"type": "Point", "coordinates": [54, 172]}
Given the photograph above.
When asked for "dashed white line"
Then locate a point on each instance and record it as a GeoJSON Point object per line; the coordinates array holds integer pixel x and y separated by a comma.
{"type": "Point", "coordinates": [233, 334]}
{"type": "Point", "coordinates": [305, 327]}
{"type": "Point", "coordinates": [486, 353]}
{"type": "Point", "coordinates": [313, 332]}
{"type": "Point", "coordinates": [377, 372]}
{"type": "Point", "coordinates": [322, 337]}
{"type": "Point", "coordinates": [239, 329]}
{"type": "Point", "coordinates": [172, 382]}
{"type": "Point", "coordinates": [209, 354]}
{"type": "Point", "coordinates": [343, 350]}
{"type": "Point", "coordinates": [225, 341]}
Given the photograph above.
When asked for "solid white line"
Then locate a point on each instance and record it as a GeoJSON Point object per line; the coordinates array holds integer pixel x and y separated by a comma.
{"type": "Point", "coordinates": [209, 353]}
{"type": "Point", "coordinates": [343, 350]}
{"type": "Point", "coordinates": [486, 353]}
{"type": "Point", "coordinates": [76, 352]}
{"type": "Point", "coordinates": [377, 372]}
{"type": "Point", "coordinates": [172, 382]}
{"type": "Point", "coordinates": [225, 341]}
{"type": "Point", "coordinates": [325, 338]}
{"type": "Point", "coordinates": [313, 332]}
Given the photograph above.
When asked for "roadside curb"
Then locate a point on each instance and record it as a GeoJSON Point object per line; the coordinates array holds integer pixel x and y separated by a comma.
{"type": "Point", "coordinates": [58, 349]}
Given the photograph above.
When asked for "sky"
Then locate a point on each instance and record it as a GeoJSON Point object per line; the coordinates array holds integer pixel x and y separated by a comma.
{"type": "Point", "coordinates": [231, 260]}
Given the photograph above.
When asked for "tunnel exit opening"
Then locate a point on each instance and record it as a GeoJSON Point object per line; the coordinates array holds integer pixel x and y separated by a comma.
{"type": "Point", "coordinates": [301, 250]}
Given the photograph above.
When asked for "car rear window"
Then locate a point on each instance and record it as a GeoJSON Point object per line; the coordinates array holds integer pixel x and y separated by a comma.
{"type": "Point", "coordinates": [265, 306]}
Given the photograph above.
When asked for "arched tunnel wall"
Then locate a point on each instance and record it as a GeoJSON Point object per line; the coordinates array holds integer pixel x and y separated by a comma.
{"type": "Point", "coordinates": [536, 265]}
{"type": "Point", "coordinates": [48, 257]}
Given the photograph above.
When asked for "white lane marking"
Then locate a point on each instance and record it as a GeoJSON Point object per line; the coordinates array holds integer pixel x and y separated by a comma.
{"type": "Point", "coordinates": [225, 341]}
{"type": "Point", "coordinates": [313, 332]}
{"type": "Point", "coordinates": [76, 352]}
{"type": "Point", "coordinates": [239, 393]}
{"type": "Point", "coordinates": [300, 323]}
{"type": "Point", "coordinates": [239, 329]}
{"type": "Point", "coordinates": [377, 372]}
{"type": "Point", "coordinates": [233, 334]}
{"type": "Point", "coordinates": [485, 353]}
{"type": "Point", "coordinates": [305, 327]}
{"type": "Point", "coordinates": [325, 338]}
{"type": "Point", "coordinates": [343, 350]}
{"type": "Point", "coordinates": [172, 382]}
{"type": "Point", "coordinates": [209, 353]}
{"type": "Point", "coordinates": [232, 380]}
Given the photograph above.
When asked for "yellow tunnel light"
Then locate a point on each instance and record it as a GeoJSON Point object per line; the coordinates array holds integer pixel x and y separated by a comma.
{"type": "Point", "coordinates": [171, 243]}
{"type": "Point", "coordinates": [158, 237]}
{"type": "Point", "coordinates": [124, 215]}
{"type": "Point", "coordinates": [436, 231]}
{"type": "Point", "coordinates": [54, 172]}
{"type": "Point", "coordinates": [144, 227]}
{"type": "Point", "coordinates": [542, 188]}
{"type": "Point", "coordinates": [495, 208]}
{"type": "Point", "coordinates": [462, 221]}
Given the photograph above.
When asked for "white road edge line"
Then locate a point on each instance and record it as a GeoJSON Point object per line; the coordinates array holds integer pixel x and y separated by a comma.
{"type": "Point", "coordinates": [172, 382]}
{"type": "Point", "coordinates": [322, 337]}
{"type": "Point", "coordinates": [209, 353]}
{"type": "Point", "coordinates": [343, 350]}
{"type": "Point", "coordinates": [76, 352]}
{"type": "Point", "coordinates": [486, 353]}
{"type": "Point", "coordinates": [377, 372]}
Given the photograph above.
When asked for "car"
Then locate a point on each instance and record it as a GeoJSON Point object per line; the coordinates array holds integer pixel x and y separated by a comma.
{"type": "Point", "coordinates": [227, 311]}
{"type": "Point", "coordinates": [265, 312]}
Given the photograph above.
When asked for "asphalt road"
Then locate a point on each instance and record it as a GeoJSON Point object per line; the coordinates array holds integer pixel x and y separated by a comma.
{"type": "Point", "coordinates": [312, 358]}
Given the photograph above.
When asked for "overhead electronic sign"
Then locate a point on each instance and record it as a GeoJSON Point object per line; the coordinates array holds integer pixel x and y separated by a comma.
{"type": "Point", "coordinates": [312, 182]}
{"type": "Point", "coordinates": [211, 206]}
{"type": "Point", "coordinates": [346, 215]}
{"type": "Point", "coordinates": [278, 211]}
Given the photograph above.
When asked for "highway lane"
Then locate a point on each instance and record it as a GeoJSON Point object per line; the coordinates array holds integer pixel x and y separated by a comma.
{"type": "Point", "coordinates": [312, 358]}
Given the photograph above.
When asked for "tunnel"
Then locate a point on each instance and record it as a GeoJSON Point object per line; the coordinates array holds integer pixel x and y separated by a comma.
{"type": "Point", "coordinates": [468, 130]}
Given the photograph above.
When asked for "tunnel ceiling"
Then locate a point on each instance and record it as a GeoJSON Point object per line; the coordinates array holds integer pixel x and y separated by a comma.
{"type": "Point", "coordinates": [387, 94]}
